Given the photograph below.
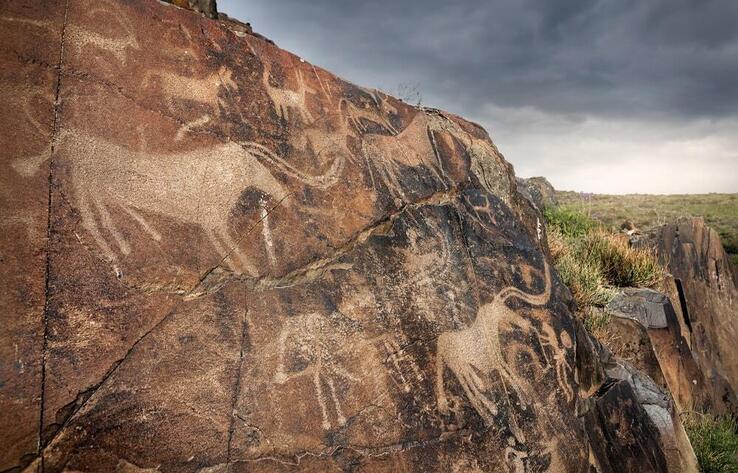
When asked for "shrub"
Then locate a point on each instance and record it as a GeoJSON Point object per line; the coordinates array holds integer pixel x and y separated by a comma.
{"type": "Point", "coordinates": [592, 262]}
{"type": "Point", "coordinates": [583, 275]}
{"type": "Point", "coordinates": [570, 222]}
{"type": "Point", "coordinates": [715, 442]}
{"type": "Point", "coordinates": [622, 264]}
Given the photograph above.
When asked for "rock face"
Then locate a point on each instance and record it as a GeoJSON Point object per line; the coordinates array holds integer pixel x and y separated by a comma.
{"type": "Point", "coordinates": [538, 191]}
{"type": "Point", "coordinates": [219, 257]}
{"type": "Point", "coordinates": [703, 283]}
{"type": "Point", "coordinates": [650, 335]}
{"type": "Point", "coordinates": [206, 7]}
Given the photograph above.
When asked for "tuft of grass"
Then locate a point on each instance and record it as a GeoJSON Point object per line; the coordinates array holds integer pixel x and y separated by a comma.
{"type": "Point", "coordinates": [622, 264]}
{"type": "Point", "coordinates": [715, 442]}
{"type": "Point", "coordinates": [582, 274]}
{"type": "Point", "coordinates": [570, 222]}
{"type": "Point", "coordinates": [592, 262]}
{"type": "Point", "coordinates": [596, 321]}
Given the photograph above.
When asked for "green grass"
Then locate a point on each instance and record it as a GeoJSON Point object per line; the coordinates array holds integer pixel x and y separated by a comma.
{"type": "Point", "coordinates": [647, 211]}
{"type": "Point", "coordinates": [593, 262]}
{"type": "Point", "coordinates": [715, 442]}
{"type": "Point", "coordinates": [570, 222]}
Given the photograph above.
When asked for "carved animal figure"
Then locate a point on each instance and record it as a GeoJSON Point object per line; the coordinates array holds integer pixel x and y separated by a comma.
{"type": "Point", "coordinates": [477, 349]}
{"type": "Point", "coordinates": [78, 38]}
{"type": "Point", "coordinates": [199, 187]}
{"type": "Point", "coordinates": [286, 99]}
{"type": "Point", "coordinates": [203, 90]}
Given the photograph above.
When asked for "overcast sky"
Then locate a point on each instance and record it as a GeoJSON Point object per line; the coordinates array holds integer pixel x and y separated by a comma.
{"type": "Point", "coordinates": [611, 96]}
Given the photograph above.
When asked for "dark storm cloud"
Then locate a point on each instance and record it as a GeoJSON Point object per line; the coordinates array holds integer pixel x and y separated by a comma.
{"type": "Point", "coordinates": [606, 58]}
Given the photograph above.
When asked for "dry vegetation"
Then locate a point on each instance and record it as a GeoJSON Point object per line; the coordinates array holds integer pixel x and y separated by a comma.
{"type": "Point", "coordinates": [647, 211]}
{"type": "Point", "coordinates": [593, 262]}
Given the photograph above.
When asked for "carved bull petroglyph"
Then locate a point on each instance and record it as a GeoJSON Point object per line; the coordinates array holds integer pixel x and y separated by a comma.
{"type": "Point", "coordinates": [477, 349]}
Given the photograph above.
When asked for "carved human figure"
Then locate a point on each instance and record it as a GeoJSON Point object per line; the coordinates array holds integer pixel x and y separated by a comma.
{"type": "Point", "coordinates": [313, 341]}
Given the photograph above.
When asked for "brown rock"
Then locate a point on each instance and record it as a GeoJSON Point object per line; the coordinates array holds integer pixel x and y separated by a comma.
{"type": "Point", "coordinates": [206, 7]}
{"type": "Point", "coordinates": [538, 191]}
{"type": "Point", "coordinates": [236, 261]}
{"type": "Point", "coordinates": [632, 423]}
{"type": "Point", "coordinates": [651, 337]}
{"type": "Point", "coordinates": [703, 283]}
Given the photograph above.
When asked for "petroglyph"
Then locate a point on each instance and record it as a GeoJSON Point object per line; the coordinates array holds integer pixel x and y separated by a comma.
{"type": "Point", "coordinates": [321, 181]}
{"type": "Point", "coordinates": [267, 232]}
{"type": "Point", "coordinates": [469, 353]}
{"type": "Point", "coordinates": [28, 21]}
{"type": "Point", "coordinates": [411, 148]}
{"type": "Point", "coordinates": [285, 100]}
{"type": "Point", "coordinates": [204, 90]}
{"type": "Point", "coordinates": [189, 126]}
{"type": "Point", "coordinates": [308, 346]}
{"type": "Point", "coordinates": [78, 38]}
{"type": "Point", "coordinates": [406, 373]}
{"type": "Point", "coordinates": [27, 166]}
{"type": "Point", "coordinates": [427, 259]}
{"type": "Point", "coordinates": [357, 114]}
{"type": "Point", "coordinates": [200, 187]}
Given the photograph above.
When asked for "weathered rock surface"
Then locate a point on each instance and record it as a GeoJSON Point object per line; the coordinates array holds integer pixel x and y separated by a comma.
{"type": "Point", "coordinates": [703, 283]}
{"type": "Point", "coordinates": [632, 423]}
{"type": "Point", "coordinates": [651, 337]}
{"type": "Point", "coordinates": [219, 257]}
{"type": "Point", "coordinates": [205, 7]}
{"type": "Point", "coordinates": [538, 191]}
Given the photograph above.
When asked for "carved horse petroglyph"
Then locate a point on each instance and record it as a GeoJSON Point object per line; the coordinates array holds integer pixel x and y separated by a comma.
{"type": "Point", "coordinates": [200, 187]}
{"type": "Point", "coordinates": [477, 349]}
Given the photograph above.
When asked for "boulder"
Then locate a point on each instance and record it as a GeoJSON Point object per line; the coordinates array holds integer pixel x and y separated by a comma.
{"type": "Point", "coordinates": [219, 257]}
{"type": "Point", "coordinates": [650, 336]}
{"type": "Point", "coordinates": [632, 423]}
{"type": "Point", "coordinates": [702, 281]}
{"type": "Point", "coordinates": [538, 191]}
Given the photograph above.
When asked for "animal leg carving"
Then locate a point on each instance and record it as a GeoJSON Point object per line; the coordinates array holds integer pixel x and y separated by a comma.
{"type": "Point", "coordinates": [107, 221]}
{"type": "Point", "coordinates": [141, 221]}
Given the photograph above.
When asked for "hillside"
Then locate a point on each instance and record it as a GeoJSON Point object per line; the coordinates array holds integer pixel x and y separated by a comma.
{"type": "Point", "coordinates": [645, 211]}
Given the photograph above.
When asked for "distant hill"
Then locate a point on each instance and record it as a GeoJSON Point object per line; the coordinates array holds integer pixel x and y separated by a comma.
{"type": "Point", "coordinates": [646, 211]}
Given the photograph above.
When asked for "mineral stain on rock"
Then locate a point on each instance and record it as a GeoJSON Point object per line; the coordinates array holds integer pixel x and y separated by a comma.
{"type": "Point", "coordinates": [236, 261]}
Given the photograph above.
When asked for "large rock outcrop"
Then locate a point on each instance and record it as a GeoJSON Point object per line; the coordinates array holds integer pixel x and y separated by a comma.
{"type": "Point", "coordinates": [702, 283]}
{"type": "Point", "coordinates": [219, 257]}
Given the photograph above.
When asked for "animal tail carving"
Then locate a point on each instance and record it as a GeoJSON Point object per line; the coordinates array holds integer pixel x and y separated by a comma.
{"type": "Point", "coordinates": [532, 299]}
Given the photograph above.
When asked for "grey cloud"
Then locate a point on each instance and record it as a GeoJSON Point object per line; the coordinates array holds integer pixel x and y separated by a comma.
{"type": "Point", "coordinates": [660, 63]}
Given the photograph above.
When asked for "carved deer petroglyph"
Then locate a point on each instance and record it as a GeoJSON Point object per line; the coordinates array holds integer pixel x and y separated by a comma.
{"type": "Point", "coordinates": [477, 349]}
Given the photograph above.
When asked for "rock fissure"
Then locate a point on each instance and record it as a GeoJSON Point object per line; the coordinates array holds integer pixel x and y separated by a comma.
{"type": "Point", "coordinates": [217, 277]}
{"type": "Point", "coordinates": [49, 221]}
